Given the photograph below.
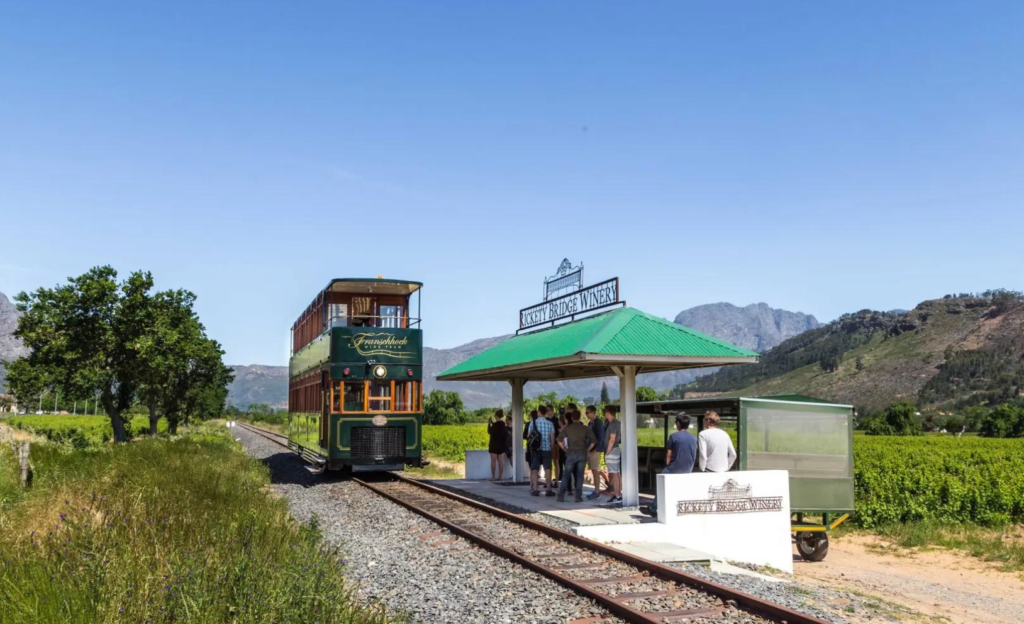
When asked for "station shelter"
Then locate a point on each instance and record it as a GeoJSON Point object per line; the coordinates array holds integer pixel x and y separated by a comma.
{"type": "Point", "coordinates": [624, 342]}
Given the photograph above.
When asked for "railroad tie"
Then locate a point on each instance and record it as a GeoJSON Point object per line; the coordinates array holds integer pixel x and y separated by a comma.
{"type": "Point", "coordinates": [614, 579]}
{"type": "Point", "coordinates": [553, 555]}
{"type": "Point", "coordinates": [623, 597]}
{"type": "Point", "coordinates": [579, 566]}
{"type": "Point", "coordinates": [670, 616]}
{"type": "Point", "coordinates": [432, 534]}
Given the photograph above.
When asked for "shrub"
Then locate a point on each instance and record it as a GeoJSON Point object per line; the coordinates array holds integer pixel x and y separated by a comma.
{"type": "Point", "coordinates": [900, 419]}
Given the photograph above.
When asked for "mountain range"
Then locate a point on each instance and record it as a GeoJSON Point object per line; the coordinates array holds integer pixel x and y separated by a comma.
{"type": "Point", "coordinates": [945, 352]}
{"type": "Point", "coordinates": [954, 351]}
{"type": "Point", "coordinates": [756, 326]}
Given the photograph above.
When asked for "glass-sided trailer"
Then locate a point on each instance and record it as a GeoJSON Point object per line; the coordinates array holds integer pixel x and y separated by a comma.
{"type": "Point", "coordinates": [811, 438]}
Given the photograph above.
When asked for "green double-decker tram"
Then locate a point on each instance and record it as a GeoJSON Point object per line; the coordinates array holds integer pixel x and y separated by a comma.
{"type": "Point", "coordinates": [355, 389]}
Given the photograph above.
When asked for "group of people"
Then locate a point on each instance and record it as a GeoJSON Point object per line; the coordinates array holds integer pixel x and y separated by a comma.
{"type": "Point", "coordinates": [563, 441]}
{"type": "Point", "coordinates": [710, 451]}
{"type": "Point", "coordinates": [577, 446]}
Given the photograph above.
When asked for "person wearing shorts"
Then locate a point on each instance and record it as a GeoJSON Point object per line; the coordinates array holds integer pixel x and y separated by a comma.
{"type": "Point", "coordinates": [596, 426]}
{"type": "Point", "coordinates": [546, 431]}
{"type": "Point", "coordinates": [613, 454]}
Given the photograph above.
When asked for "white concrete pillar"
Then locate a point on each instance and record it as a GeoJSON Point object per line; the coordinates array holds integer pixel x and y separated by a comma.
{"type": "Point", "coordinates": [627, 415]}
{"type": "Point", "coordinates": [518, 454]}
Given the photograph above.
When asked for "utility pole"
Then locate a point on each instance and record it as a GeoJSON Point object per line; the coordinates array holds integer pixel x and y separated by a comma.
{"type": "Point", "coordinates": [55, 400]}
{"type": "Point", "coordinates": [40, 402]}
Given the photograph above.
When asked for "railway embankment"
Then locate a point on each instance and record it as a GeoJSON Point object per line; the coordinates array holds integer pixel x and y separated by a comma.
{"type": "Point", "coordinates": [409, 563]}
{"type": "Point", "coordinates": [412, 564]}
{"type": "Point", "coordinates": [164, 529]}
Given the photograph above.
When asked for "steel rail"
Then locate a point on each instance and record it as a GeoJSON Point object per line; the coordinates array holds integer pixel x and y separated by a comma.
{"type": "Point", "coordinates": [616, 608]}
{"type": "Point", "coordinates": [749, 602]}
{"type": "Point", "coordinates": [270, 435]}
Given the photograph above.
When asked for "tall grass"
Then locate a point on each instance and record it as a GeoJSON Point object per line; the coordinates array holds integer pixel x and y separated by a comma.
{"type": "Point", "coordinates": [163, 530]}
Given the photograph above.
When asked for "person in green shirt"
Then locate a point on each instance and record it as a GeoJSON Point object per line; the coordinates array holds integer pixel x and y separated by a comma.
{"type": "Point", "coordinates": [576, 439]}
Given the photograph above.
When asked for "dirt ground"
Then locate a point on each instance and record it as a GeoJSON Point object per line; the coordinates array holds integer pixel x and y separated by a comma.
{"type": "Point", "coordinates": [939, 585]}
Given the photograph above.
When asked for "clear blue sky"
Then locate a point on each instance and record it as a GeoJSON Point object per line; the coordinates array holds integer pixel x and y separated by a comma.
{"type": "Point", "coordinates": [817, 157]}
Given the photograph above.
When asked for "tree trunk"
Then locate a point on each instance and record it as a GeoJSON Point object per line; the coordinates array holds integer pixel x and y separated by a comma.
{"type": "Point", "coordinates": [115, 418]}
{"type": "Point", "coordinates": [153, 416]}
{"type": "Point", "coordinates": [118, 424]}
{"type": "Point", "coordinates": [172, 426]}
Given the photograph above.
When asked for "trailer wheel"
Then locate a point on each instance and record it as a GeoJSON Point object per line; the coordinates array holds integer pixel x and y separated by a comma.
{"type": "Point", "coordinates": [812, 546]}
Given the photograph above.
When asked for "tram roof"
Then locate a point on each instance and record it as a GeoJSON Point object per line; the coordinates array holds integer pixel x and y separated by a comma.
{"type": "Point", "coordinates": [370, 285]}
{"type": "Point", "coordinates": [592, 346]}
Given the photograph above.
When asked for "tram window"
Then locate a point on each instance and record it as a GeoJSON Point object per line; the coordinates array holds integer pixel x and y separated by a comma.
{"type": "Point", "coordinates": [380, 396]}
{"type": "Point", "coordinates": [335, 396]}
{"type": "Point", "coordinates": [391, 316]}
{"type": "Point", "coordinates": [338, 315]}
{"type": "Point", "coordinates": [354, 397]}
{"type": "Point", "coordinates": [404, 396]}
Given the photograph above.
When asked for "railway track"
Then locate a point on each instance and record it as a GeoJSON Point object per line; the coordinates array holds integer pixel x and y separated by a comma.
{"type": "Point", "coordinates": [629, 588]}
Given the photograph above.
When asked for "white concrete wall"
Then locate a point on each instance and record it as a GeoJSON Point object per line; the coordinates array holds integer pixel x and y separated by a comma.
{"type": "Point", "coordinates": [749, 536]}
{"type": "Point", "coordinates": [478, 465]}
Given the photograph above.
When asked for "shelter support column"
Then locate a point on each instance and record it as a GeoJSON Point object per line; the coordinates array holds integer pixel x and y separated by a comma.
{"type": "Point", "coordinates": [518, 455]}
{"type": "Point", "coordinates": [627, 416]}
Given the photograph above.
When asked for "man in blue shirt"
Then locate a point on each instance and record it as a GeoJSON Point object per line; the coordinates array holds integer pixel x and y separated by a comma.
{"type": "Point", "coordinates": [542, 429]}
{"type": "Point", "coordinates": [680, 455]}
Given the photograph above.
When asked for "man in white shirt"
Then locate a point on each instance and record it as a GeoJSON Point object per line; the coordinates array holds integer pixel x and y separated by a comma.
{"type": "Point", "coordinates": [715, 452]}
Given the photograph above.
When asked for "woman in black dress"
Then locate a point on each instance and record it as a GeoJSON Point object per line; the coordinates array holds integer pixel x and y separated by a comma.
{"type": "Point", "coordinates": [497, 433]}
{"type": "Point", "coordinates": [508, 438]}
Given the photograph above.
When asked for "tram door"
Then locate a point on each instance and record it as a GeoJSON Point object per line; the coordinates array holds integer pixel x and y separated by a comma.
{"type": "Point", "coordinates": [325, 394]}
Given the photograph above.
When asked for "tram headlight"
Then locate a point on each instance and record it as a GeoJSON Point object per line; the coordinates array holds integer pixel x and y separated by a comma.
{"type": "Point", "coordinates": [380, 372]}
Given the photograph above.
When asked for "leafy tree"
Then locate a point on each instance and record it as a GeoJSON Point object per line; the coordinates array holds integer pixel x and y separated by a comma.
{"type": "Point", "coordinates": [84, 337]}
{"type": "Point", "coordinates": [174, 333]}
{"type": "Point", "coordinates": [646, 393]}
{"type": "Point", "coordinates": [829, 363]}
{"type": "Point", "coordinates": [954, 424]}
{"type": "Point", "coordinates": [197, 388]}
{"type": "Point", "coordinates": [900, 419]}
{"type": "Point", "coordinates": [1004, 421]}
{"type": "Point", "coordinates": [604, 393]}
{"type": "Point", "coordinates": [441, 407]}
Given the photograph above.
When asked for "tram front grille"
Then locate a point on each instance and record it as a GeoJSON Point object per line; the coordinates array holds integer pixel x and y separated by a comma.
{"type": "Point", "coordinates": [378, 442]}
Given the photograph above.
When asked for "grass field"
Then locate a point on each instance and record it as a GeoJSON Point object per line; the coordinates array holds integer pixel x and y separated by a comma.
{"type": "Point", "coordinates": [80, 431]}
{"type": "Point", "coordinates": [161, 530]}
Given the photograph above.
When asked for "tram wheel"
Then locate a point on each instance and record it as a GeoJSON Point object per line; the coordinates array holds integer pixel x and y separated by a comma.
{"type": "Point", "coordinates": [812, 546]}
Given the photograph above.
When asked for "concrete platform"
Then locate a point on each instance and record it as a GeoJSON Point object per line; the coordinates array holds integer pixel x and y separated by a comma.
{"type": "Point", "coordinates": [587, 513]}
{"type": "Point", "coordinates": [652, 542]}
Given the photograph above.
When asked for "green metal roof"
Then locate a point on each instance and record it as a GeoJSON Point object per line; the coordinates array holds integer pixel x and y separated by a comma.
{"type": "Point", "coordinates": [591, 346]}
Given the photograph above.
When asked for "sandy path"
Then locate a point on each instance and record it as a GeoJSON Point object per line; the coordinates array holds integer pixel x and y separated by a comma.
{"type": "Point", "coordinates": [942, 584]}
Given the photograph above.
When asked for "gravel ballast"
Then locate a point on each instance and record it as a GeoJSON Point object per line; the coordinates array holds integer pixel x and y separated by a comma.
{"type": "Point", "coordinates": [408, 563]}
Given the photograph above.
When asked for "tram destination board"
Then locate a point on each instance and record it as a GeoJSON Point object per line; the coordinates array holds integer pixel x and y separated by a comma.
{"type": "Point", "coordinates": [600, 295]}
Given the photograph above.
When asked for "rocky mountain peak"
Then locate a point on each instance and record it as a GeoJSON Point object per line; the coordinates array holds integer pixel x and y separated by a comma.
{"type": "Point", "coordinates": [757, 326]}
